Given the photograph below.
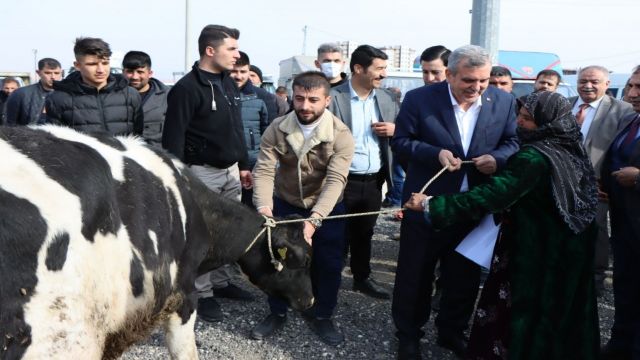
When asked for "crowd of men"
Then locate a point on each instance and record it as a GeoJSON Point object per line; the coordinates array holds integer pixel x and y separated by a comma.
{"type": "Point", "coordinates": [329, 148]}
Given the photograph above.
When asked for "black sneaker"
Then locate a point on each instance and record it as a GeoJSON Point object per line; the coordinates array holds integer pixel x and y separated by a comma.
{"type": "Point", "coordinates": [409, 350]}
{"type": "Point", "coordinates": [455, 343]}
{"type": "Point", "coordinates": [309, 314]}
{"type": "Point", "coordinates": [372, 288]}
{"type": "Point", "coordinates": [233, 292]}
{"type": "Point", "coordinates": [268, 326]}
{"type": "Point", "coordinates": [327, 332]}
{"type": "Point", "coordinates": [209, 310]}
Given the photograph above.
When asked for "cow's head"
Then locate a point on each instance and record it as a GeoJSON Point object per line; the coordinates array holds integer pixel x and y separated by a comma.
{"type": "Point", "coordinates": [231, 227]}
{"type": "Point", "coordinates": [293, 282]}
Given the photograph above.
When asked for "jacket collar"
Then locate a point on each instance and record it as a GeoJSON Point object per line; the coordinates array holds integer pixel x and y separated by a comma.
{"type": "Point", "coordinates": [157, 86]}
{"type": "Point", "coordinates": [198, 74]}
{"type": "Point", "coordinates": [73, 83]}
{"type": "Point", "coordinates": [248, 88]}
{"type": "Point", "coordinates": [295, 138]}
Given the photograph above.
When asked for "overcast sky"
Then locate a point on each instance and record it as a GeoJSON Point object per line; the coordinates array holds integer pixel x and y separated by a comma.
{"type": "Point", "coordinates": [581, 32]}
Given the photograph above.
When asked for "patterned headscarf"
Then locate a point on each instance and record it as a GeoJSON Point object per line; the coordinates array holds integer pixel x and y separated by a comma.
{"type": "Point", "coordinates": [559, 139]}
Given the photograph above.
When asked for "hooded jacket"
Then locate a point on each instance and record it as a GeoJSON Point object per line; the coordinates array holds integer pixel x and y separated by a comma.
{"type": "Point", "coordinates": [115, 109]}
{"type": "Point", "coordinates": [203, 123]}
{"type": "Point", "coordinates": [154, 106]}
{"type": "Point", "coordinates": [255, 119]}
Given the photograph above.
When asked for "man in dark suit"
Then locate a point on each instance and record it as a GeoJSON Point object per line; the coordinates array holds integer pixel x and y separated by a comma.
{"type": "Point", "coordinates": [621, 180]}
{"type": "Point", "coordinates": [598, 116]}
{"type": "Point", "coordinates": [442, 125]}
{"type": "Point", "coordinates": [369, 112]}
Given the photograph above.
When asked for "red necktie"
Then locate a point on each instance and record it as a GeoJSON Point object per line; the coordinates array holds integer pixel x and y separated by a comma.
{"type": "Point", "coordinates": [633, 132]}
{"type": "Point", "coordinates": [582, 113]}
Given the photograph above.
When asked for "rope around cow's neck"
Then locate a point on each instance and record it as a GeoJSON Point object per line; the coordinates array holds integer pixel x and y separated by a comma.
{"type": "Point", "coordinates": [266, 226]}
{"type": "Point", "coordinates": [270, 223]}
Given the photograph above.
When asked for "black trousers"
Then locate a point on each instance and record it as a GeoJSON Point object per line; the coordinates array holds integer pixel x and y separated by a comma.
{"type": "Point", "coordinates": [363, 193]}
{"type": "Point", "coordinates": [420, 248]}
{"type": "Point", "coordinates": [601, 260]}
{"type": "Point", "coordinates": [326, 265]}
{"type": "Point", "coordinates": [625, 333]}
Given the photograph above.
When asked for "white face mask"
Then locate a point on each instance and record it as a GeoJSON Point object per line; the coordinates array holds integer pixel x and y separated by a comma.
{"type": "Point", "coordinates": [331, 69]}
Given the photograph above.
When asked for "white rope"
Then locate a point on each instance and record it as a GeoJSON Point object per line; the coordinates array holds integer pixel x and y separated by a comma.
{"type": "Point", "coordinates": [270, 223]}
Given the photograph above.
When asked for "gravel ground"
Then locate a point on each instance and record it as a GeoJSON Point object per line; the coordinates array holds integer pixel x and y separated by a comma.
{"type": "Point", "coordinates": [366, 322]}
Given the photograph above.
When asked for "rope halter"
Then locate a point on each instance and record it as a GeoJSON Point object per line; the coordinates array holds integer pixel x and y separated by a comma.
{"type": "Point", "coordinates": [268, 224]}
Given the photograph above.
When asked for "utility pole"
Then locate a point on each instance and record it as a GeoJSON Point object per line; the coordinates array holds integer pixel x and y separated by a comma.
{"type": "Point", "coordinates": [305, 30]}
{"type": "Point", "coordinates": [187, 43]}
{"type": "Point", "coordinates": [485, 26]}
{"type": "Point", "coordinates": [35, 65]}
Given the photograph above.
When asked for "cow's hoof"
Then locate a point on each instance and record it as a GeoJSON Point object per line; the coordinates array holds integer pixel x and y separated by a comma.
{"type": "Point", "coordinates": [268, 326]}
{"type": "Point", "coordinates": [209, 310]}
{"type": "Point", "coordinates": [327, 332]}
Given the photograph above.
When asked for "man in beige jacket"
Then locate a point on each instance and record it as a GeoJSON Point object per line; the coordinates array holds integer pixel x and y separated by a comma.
{"type": "Point", "coordinates": [302, 169]}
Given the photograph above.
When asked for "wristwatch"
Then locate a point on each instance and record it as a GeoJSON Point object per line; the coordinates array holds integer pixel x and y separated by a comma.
{"type": "Point", "coordinates": [425, 204]}
{"type": "Point", "coordinates": [315, 222]}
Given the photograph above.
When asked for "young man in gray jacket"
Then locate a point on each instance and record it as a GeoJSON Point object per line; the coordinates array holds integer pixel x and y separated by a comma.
{"type": "Point", "coordinates": [136, 67]}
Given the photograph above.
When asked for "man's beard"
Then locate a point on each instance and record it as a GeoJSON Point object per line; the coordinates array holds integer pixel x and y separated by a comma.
{"type": "Point", "coordinates": [303, 121]}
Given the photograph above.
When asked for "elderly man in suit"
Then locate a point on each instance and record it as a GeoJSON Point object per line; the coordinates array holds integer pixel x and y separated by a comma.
{"type": "Point", "coordinates": [598, 116]}
{"type": "Point", "coordinates": [442, 125]}
{"type": "Point", "coordinates": [369, 112]}
{"type": "Point", "coordinates": [621, 180]}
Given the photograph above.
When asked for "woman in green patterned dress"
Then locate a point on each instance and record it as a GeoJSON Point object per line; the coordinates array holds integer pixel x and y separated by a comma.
{"type": "Point", "coordinates": [539, 301]}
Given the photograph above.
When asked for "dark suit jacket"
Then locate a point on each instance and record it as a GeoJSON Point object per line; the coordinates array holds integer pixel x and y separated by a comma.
{"type": "Point", "coordinates": [603, 128]}
{"type": "Point", "coordinates": [340, 106]}
{"type": "Point", "coordinates": [427, 124]}
{"type": "Point", "coordinates": [630, 199]}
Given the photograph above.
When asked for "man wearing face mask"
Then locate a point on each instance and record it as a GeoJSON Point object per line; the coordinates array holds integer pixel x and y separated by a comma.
{"type": "Point", "coordinates": [369, 112]}
{"type": "Point", "coordinates": [331, 63]}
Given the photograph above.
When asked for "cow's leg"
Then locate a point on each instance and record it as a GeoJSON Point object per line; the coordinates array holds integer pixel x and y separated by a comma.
{"type": "Point", "coordinates": [181, 338]}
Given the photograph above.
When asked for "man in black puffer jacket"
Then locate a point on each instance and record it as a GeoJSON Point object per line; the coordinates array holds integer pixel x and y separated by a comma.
{"type": "Point", "coordinates": [92, 99]}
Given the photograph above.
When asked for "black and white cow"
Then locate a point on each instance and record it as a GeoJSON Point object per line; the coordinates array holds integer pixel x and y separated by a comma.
{"type": "Point", "coordinates": [102, 238]}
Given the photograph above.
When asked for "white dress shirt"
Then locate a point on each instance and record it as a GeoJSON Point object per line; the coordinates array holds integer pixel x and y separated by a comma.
{"type": "Point", "coordinates": [466, 121]}
{"type": "Point", "coordinates": [588, 117]}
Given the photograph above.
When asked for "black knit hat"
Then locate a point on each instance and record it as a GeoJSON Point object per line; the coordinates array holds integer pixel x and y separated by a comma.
{"type": "Point", "coordinates": [256, 70]}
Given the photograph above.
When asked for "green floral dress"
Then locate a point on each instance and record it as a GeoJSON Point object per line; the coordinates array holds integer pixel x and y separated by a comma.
{"type": "Point", "coordinates": [539, 301]}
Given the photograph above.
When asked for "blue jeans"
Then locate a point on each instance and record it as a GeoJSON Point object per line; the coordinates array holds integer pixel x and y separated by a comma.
{"type": "Point", "coordinates": [394, 193]}
{"type": "Point", "coordinates": [326, 263]}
